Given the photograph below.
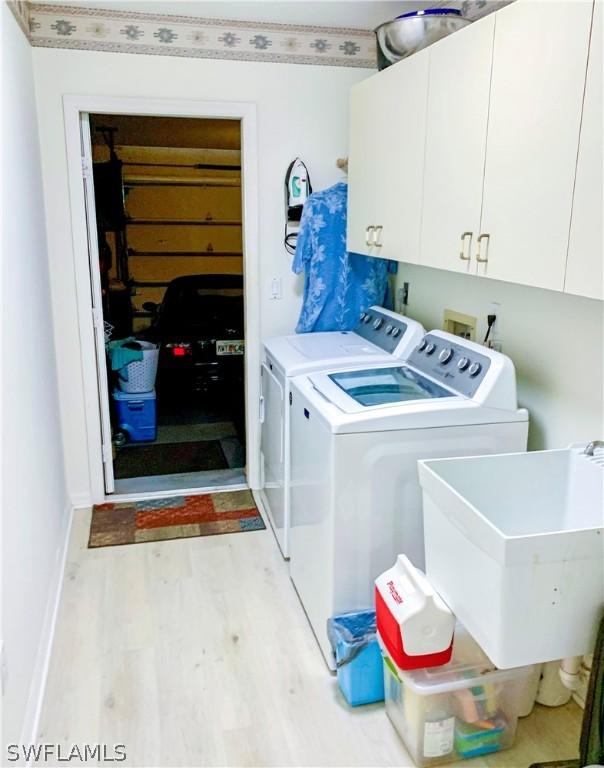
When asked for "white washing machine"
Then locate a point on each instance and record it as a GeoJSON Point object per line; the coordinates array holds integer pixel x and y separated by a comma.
{"type": "Point", "coordinates": [380, 336]}
{"type": "Point", "coordinates": [356, 436]}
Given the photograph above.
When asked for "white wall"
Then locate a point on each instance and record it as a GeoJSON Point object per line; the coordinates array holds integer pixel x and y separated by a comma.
{"type": "Point", "coordinates": [34, 499]}
{"type": "Point", "coordinates": [302, 110]}
{"type": "Point", "coordinates": [555, 340]}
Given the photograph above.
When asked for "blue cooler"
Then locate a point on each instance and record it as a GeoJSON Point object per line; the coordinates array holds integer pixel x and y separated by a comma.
{"type": "Point", "coordinates": [358, 657]}
{"type": "Point", "coordinates": [136, 414]}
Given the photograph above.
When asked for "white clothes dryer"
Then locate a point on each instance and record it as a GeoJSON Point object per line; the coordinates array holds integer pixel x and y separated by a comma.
{"type": "Point", "coordinates": [380, 336]}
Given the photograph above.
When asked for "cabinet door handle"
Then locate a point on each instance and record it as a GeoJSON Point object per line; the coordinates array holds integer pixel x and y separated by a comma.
{"type": "Point", "coordinates": [368, 236]}
{"type": "Point", "coordinates": [377, 235]}
{"type": "Point", "coordinates": [462, 253]}
{"type": "Point", "coordinates": [479, 257]}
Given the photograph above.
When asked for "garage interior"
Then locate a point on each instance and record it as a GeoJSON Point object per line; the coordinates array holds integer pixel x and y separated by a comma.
{"type": "Point", "coordinates": [168, 212]}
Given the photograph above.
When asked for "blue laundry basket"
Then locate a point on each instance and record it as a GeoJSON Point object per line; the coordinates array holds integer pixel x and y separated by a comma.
{"type": "Point", "coordinates": [358, 657]}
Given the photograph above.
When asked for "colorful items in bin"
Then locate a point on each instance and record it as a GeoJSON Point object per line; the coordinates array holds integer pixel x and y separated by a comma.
{"type": "Point", "coordinates": [136, 415]}
{"type": "Point", "coordinates": [414, 623]}
{"type": "Point", "coordinates": [475, 704]}
{"type": "Point", "coordinates": [479, 722]}
{"type": "Point", "coordinates": [480, 738]}
{"type": "Point", "coordinates": [358, 657]}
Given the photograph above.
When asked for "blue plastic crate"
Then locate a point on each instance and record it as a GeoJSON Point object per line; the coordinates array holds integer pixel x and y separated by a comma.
{"type": "Point", "coordinates": [136, 414]}
{"type": "Point", "coordinates": [358, 657]}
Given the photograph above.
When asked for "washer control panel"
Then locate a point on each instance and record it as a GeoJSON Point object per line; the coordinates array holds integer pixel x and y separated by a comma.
{"type": "Point", "coordinates": [381, 329]}
{"type": "Point", "coordinates": [454, 364]}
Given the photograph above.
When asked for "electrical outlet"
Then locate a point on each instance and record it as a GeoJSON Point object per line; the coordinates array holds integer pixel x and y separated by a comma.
{"type": "Point", "coordinates": [495, 308]}
{"type": "Point", "coordinates": [402, 298]}
{"type": "Point", "coordinates": [459, 324]}
{"type": "Point", "coordinates": [400, 295]}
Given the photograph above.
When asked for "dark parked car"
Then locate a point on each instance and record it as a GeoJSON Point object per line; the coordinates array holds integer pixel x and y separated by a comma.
{"type": "Point", "coordinates": [199, 327]}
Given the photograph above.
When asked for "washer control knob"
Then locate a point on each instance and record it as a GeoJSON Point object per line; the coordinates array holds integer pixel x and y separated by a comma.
{"type": "Point", "coordinates": [367, 318]}
{"type": "Point", "coordinates": [377, 323]}
{"type": "Point", "coordinates": [445, 355]}
{"type": "Point", "coordinates": [475, 369]}
{"type": "Point", "coordinates": [363, 315]}
{"type": "Point", "coordinates": [388, 330]}
{"type": "Point", "coordinates": [463, 363]}
{"type": "Point", "coordinates": [430, 348]}
{"type": "Point", "coordinates": [422, 345]}
{"type": "Point", "coordinates": [396, 332]}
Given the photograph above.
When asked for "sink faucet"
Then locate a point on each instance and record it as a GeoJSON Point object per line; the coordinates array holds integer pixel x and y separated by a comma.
{"type": "Point", "coordinates": [590, 447]}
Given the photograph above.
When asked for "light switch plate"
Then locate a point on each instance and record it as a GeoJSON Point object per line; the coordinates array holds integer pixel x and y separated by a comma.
{"type": "Point", "coordinates": [276, 288]}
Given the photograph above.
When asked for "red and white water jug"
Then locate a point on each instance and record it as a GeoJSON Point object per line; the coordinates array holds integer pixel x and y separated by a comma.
{"type": "Point", "coordinates": [414, 623]}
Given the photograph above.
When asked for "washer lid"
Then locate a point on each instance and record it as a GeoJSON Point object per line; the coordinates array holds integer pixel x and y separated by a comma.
{"type": "Point", "coordinates": [333, 345]}
{"type": "Point", "coordinates": [304, 353]}
{"type": "Point", "coordinates": [358, 390]}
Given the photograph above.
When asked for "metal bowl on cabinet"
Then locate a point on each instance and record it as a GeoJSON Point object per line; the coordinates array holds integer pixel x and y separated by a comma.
{"type": "Point", "coordinates": [413, 31]}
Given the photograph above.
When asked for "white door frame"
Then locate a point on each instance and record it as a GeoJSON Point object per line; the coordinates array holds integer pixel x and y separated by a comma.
{"type": "Point", "coordinates": [73, 106]}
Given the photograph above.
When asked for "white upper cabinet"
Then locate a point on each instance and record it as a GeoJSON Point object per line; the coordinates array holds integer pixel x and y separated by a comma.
{"type": "Point", "coordinates": [539, 64]}
{"type": "Point", "coordinates": [458, 107]}
{"type": "Point", "coordinates": [483, 153]}
{"type": "Point", "coordinates": [386, 159]}
{"type": "Point", "coordinates": [584, 273]}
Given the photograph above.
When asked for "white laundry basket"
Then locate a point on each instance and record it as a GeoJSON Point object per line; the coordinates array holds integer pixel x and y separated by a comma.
{"type": "Point", "coordinates": [141, 373]}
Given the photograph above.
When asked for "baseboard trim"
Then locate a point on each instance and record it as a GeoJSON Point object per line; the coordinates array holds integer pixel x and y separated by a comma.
{"type": "Point", "coordinates": [33, 711]}
{"type": "Point", "coordinates": [81, 501]}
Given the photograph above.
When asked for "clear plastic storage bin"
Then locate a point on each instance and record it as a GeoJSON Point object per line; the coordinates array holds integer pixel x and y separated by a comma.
{"type": "Point", "coordinates": [460, 710]}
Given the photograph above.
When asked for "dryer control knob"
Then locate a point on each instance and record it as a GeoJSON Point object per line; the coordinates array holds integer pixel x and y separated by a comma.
{"type": "Point", "coordinates": [388, 330]}
{"type": "Point", "coordinates": [396, 332]}
{"type": "Point", "coordinates": [475, 369]}
{"type": "Point", "coordinates": [463, 363]}
{"type": "Point", "coordinates": [422, 345]}
{"type": "Point", "coordinates": [362, 316]}
{"type": "Point", "coordinates": [377, 323]}
{"type": "Point", "coordinates": [430, 348]}
{"type": "Point", "coordinates": [445, 355]}
{"type": "Point", "coordinates": [367, 318]}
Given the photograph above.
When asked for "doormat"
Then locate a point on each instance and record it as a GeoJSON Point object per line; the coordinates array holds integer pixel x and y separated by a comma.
{"type": "Point", "coordinates": [168, 459]}
{"type": "Point", "coordinates": [177, 517]}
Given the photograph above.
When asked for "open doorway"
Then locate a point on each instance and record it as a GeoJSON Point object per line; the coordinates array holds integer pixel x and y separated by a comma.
{"type": "Point", "coordinates": [168, 218]}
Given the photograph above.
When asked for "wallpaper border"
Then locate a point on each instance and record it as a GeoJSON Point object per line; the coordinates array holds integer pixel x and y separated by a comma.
{"type": "Point", "coordinates": [95, 29]}
{"type": "Point", "coordinates": [74, 28]}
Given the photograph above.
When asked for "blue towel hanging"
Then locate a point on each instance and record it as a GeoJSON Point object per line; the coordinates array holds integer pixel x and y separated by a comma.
{"type": "Point", "coordinates": [338, 285]}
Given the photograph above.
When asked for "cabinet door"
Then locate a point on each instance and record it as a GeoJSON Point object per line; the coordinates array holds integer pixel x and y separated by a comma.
{"type": "Point", "coordinates": [366, 162]}
{"type": "Point", "coordinates": [458, 106]}
{"type": "Point", "coordinates": [539, 64]}
{"type": "Point", "coordinates": [386, 160]}
{"type": "Point", "coordinates": [585, 252]}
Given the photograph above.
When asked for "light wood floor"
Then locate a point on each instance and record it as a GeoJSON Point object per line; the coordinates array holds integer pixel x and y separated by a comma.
{"type": "Point", "coordinates": [197, 653]}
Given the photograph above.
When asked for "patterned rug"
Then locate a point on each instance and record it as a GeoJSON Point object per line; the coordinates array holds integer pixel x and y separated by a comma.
{"type": "Point", "coordinates": [177, 517]}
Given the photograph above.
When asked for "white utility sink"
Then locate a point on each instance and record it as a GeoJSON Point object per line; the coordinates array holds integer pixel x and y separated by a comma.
{"type": "Point", "coordinates": [515, 547]}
